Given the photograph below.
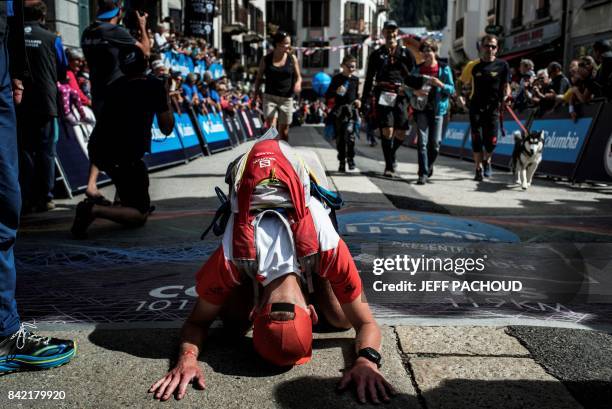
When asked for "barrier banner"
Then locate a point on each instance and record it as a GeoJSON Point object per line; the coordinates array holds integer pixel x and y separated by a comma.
{"type": "Point", "coordinates": [240, 133]}
{"type": "Point", "coordinates": [231, 131]}
{"type": "Point", "coordinates": [564, 139]}
{"type": "Point", "coordinates": [215, 134]}
{"type": "Point", "coordinates": [72, 155]}
{"type": "Point", "coordinates": [596, 161]}
{"type": "Point", "coordinates": [257, 124]}
{"type": "Point", "coordinates": [502, 155]}
{"type": "Point", "coordinates": [457, 131]}
{"type": "Point", "coordinates": [165, 150]}
{"type": "Point", "coordinates": [188, 135]}
{"type": "Point", "coordinates": [244, 119]}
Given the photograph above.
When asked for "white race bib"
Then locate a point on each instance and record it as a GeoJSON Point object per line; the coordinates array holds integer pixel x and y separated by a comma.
{"type": "Point", "coordinates": [387, 98]}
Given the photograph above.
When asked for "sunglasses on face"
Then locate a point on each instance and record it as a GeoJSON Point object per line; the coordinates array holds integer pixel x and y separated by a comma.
{"type": "Point", "coordinates": [491, 46]}
{"type": "Point", "coordinates": [352, 66]}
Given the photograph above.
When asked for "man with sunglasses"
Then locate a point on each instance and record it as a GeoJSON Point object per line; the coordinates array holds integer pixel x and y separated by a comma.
{"type": "Point", "coordinates": [490, 79]}
{"type": "Point", "coordinates": [389, 72]}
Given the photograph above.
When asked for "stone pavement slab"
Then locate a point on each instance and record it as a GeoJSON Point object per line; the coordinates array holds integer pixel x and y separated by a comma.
{"type": "Point", "coordinates": [462, 340]}
{"type": "Point", "coordinates": [488, 382]}
{"type": "Point", "coordinates": [115, 368]}
{"type": "Point", "coordinates": [582, 360]}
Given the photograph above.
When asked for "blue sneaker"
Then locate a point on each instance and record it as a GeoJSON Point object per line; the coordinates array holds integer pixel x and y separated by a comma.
{"type": "Point", "coordinates": [487, 170]}
{"type": "Point", "coordinates": [25, 350]}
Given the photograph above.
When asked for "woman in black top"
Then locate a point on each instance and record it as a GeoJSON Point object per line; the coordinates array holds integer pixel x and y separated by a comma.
{"type": "Point", "coordinates": [282, 79]}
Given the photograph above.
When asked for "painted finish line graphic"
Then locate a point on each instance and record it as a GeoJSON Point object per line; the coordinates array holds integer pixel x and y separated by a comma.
{"type": "Point", "coordinates": [89, 283]}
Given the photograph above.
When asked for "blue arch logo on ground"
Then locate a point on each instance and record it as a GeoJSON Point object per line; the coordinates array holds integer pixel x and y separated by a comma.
{"type": "Point", "coordinates": [403, 225]}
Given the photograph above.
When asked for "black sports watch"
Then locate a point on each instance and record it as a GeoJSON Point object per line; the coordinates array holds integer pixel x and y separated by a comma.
{"type": "Point", "coordinates": [371, 355]}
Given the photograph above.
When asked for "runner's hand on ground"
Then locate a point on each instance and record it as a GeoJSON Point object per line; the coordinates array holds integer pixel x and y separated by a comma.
{"type": "Point", "coordinates": [368, 381]}
{"type": "Point", "coordinates": [186, 371]}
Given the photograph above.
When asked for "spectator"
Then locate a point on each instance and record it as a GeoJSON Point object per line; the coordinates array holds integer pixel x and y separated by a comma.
{"type": "Point", "coordinates": [101, 42]}
{"type": "Point", "coordinates": [537, 92]}
{"type": "Point", "coordinates": [37, 114]}
{"type": "Point", "coordinates": [75, 64]}
{"type": "Point", "coordinates": [559, 84]}
{"type": "Point", "coordinates": [344, 92]}
{"type": "Point", "coordinates": [602, 51]}
{"type": "Point", "coordinates": [19, 348]}
{"type": "Point", "coordinates": [526, 77]}
{"type": "Point", "coordinates": [430, 105]}
{"type": "Point", "coordinates": [283, 79]}
{"type": "Point", "coordinates": [126, 120]}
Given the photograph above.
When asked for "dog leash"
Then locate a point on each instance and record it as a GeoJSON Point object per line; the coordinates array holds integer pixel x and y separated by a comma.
{"type": "Point", "coordinates": [513, 115]}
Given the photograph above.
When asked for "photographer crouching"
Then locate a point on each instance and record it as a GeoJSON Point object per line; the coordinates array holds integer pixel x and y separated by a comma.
{"type": "Point", "coordinates": [120, 139]}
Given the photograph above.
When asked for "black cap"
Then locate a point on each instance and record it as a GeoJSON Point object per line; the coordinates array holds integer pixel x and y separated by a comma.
{"type": "Point", "coordinates": [390, 24]}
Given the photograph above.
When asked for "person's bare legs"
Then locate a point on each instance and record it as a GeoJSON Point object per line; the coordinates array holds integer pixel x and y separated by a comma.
{"type": "Point", "coordinates": [127, 216]}
{"type": "Point", "coordinates": [386, 142]}
{"type": "Point", "coordinates": [283, 132]}
{"type": "Point", "coordinates": [92, 182]}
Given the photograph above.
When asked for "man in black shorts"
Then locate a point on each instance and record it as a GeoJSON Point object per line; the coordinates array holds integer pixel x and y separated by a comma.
{"type": "Point", "coordinates": [490, 80]}
{"type": "Point", "coordinates": [391, 66]}
{"type": "Point", "coordinates": [120, 139]}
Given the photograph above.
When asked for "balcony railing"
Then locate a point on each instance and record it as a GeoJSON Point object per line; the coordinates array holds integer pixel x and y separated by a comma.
{"type": "Point", "coordinates": [358, 26]}
{"type": "Point", "coordinates": [517, 22]}
{"type": "Point", "coordinates": [382, 5]}
{"type": "Point", "coordinates": [459, 28]}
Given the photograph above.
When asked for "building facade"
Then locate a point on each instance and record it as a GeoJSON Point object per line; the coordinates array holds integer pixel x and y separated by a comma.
{"type": "Point", "coordinates": [589, 21]}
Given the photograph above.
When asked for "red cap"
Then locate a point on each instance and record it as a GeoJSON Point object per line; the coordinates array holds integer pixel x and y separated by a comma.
{"type": "Point", "coordinates": [283, 343]}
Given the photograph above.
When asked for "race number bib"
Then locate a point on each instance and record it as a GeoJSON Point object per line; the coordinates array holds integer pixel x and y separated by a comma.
{"type": "Point", "coordinates": [387, 98]}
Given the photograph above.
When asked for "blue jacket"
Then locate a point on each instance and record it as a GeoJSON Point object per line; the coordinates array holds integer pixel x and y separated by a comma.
{"type": "Point", "coordinates": [442, 94]}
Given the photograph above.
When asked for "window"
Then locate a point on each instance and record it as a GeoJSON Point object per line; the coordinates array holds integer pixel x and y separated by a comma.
{"type": "Point", "coordinates": [543, 9]}
{"type": "Point", "coordinates": [316, 13]}
{"type": "Point", "coordinates": [280, 13]}
{"type": "Point", "coordinates": [318, 59]}
{"type": "Point", "coordinates": [517, 16]}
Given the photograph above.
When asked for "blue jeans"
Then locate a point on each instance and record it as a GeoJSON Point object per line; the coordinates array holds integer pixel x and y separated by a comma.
{"type": "Point", "coordinates": [429, 130]}
{"type": "Point", "coordinates": [10, 199]}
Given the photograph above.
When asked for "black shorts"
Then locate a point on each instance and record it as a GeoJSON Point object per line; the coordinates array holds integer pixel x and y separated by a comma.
{"type": "Point", "coordinates": [395, 117]}
{"type": "Point", "coordinates": [484, 127]}
{"type": "Point", "coordinates": [131, 180]}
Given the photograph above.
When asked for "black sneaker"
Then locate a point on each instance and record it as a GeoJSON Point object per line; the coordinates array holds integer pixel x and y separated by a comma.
{"type": "Point", "coordinates": [342, 167]}
{"type": "Point", "coordinates": [25, 350]}
{"type": "Point", "coordinates": [487, 170]}
{"type": "Point", "coordinates": [422, 180]}
{"type": "Point", "coordinates": [82, 219]}
{"type": "Point", "coordinates": [351, 164]}
{"type": "Point", "coordinates": [478, 176]}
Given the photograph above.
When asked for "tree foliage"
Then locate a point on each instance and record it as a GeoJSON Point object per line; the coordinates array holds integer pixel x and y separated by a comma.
{"type": "Point", "coordinates": [419, 13]}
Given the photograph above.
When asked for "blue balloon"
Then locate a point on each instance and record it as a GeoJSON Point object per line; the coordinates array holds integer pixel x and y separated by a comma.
{"type": "Point", "coordinates": [320, 83]}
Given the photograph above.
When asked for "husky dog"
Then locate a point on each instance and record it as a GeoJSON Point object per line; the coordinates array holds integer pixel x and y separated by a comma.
{"type": "Point", "coordinates": [526, 156]}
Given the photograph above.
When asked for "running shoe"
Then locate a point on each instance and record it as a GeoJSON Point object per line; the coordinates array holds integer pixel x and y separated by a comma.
{"type": "Point", "coordinates": [422, 180]}
{"type": "Point", "coordinates": [488, 171]}
{"type": "Point", "coordinates": [351, 164]}
{"type": "Point", "coordinates": [478, 175]}
{"type": "Point", "coordinates": [25, 350]}
{"type": "Point", "coordinates": [342, 167]}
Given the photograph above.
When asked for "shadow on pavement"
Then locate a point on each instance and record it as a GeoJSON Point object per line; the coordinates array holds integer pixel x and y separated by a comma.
{"type": "Point", "coordinates": [310, 391]}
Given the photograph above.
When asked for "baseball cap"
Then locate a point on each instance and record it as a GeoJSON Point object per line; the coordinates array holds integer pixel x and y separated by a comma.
{"type": "Point", "coordinates": [108, 9]}
{"type": "Point", "coordinates": [390, 24]}
{"type": "Point", "coordinates": [283, 343]}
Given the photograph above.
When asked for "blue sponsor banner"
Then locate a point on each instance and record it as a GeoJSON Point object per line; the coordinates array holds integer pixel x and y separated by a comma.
{"type": "Point", "coordinates": [165, 149]}
{"type": "Point", "coordinates": [455, 134]}
{"type": "Point", "coordinates": [213, 130]}
{"type": "Point", "coordinates": [563, 138]}
{"type": "Point", "coordinates": [505, 144]}
{"type": "Point", "coordinates": [188, 135]}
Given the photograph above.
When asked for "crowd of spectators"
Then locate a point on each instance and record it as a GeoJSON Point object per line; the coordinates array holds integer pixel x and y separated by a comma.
{"type": "Point", "coordinates": [546, 88]}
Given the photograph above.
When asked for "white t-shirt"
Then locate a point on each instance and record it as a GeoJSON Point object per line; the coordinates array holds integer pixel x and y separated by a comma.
{"type": "Point", "coordinates": [275, 249]}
